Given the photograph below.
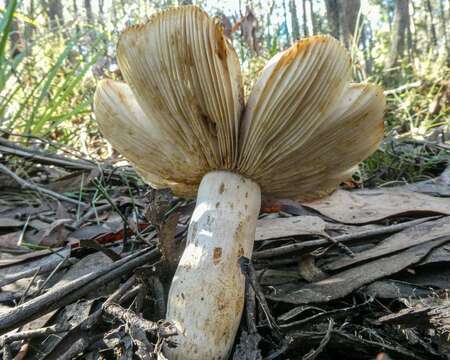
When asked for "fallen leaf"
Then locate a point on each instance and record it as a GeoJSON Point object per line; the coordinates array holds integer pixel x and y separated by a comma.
{"type": "Point", "coordinates": [412, 236]}
{"type": "Point", "coordinates": [364, 206]}
{"type": "Point", "coordinates": [345, 282]}
{"type": "Point", "coordinates": [290, 226]}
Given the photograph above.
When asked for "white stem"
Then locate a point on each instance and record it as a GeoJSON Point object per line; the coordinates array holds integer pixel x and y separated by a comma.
{"type": "Point", "coordinates": [207, 293]}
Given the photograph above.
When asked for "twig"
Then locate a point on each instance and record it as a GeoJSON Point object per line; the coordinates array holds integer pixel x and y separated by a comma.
{"type": "Point", "coordinates": [165, 329]}
{"type": "Point", "coordinates": [55, 270]}
{"type": "Point", "coordinates": [130, 293]}
{"type": "Point", "coordinates": [342, 247]}
{"type": "Point", "coordinates": [25, 293]}
{"type": "Point", "coordinates": [73, 290]}
{"type": "Point", "coordinates": [249, 272]}
{"type": "Point", "coordinates": [117, 295]}
{"type": "Point", "coordinates": [43, 157]}
{"type": "Point", "coordinates": [28, 185]}
{"type": "Point", "coordinates": [403, 88]}
{"type": "Point", "coordinates": [315, 352]}
{"type": "Point", "coordinates": [287, 249]}
{"type": "Point", "coordinates": [250, 307]}
{"type": "Point", "coordinates": [31, 334]}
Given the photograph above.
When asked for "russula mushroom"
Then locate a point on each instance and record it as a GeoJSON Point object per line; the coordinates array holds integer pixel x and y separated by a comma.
{"type": "Point", "coordinates": [180, 119]}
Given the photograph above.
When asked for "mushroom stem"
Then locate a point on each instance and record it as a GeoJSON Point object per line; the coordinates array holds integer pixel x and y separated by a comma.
{"type": "Point", "coordinates": [207, 293]}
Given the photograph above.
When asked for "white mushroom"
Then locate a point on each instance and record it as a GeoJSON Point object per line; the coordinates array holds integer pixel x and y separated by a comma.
{"type": "Point", "coordinates": [180, 120]}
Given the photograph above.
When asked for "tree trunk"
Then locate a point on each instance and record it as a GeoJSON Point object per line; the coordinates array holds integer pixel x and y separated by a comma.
{"type": "Point", "coordinates": [54, 10]}
{"type": "Point", "coordinates": [432, 27]}
{"type": "Point", "coordinates": [269, 26]}
{"type": "Point", "coordinates": [288, 38]}
{"type": "Point", "coordinates": [333, 17]}
{"type": "Point", "coordinates": [29, 28]}
{"type": "Point", "coordinates": [89, 13]}
{"type": "Point", "coordinates": [305, 19]}
{"type": "Point", "coordinates": [313, 18]}
{"type": "Point", "coordinates": [444, 30]}
{"type": "Point", "coordinates": [401, 24]}
{"type": "Point", "coordinates": [294, 20]}
{"type": "Point", "coordinates": [348, 14]}
{"type": "Point", "coordinates": [366, 52]}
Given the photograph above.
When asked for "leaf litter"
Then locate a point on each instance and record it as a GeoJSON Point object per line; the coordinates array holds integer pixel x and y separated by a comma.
{"type": "Point", "coordinates": [88, 251]}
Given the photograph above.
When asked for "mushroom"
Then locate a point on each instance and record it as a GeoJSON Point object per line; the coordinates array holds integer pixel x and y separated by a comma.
{"type": "Point", "coordinates": [180, 119]}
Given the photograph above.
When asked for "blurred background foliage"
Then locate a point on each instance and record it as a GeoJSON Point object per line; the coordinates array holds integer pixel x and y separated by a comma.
{"type": "Point", "coordinates": [52, 53]}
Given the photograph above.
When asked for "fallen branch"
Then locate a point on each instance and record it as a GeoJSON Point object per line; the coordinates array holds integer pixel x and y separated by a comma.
{"type": "Point", "coordinates": [31, 334]}
{"type": "Point", "coordinates": [287, 249]}
{"type": "Point", "coordinates": [74, 290]}
{"type": "Point", "coordinates": [164, 329]}
{"type": "Point", "coordinates": [42, 157]}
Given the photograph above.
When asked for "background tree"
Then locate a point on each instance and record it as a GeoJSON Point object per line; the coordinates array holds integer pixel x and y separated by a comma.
{"type": "Point", "coordinates": [348, 15]}
{"type": "Point", "coordinates": [399, 33]}
{"type": "Point", "coordinates": [294, 20]}
{"type": "Point", "coordinates": [54, 10]}
{"type": "Point", "coordinates": [332, 7]}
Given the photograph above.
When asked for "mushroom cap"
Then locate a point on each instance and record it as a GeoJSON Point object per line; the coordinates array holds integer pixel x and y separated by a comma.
{"type": "Point", "coordinates": [181, 112]}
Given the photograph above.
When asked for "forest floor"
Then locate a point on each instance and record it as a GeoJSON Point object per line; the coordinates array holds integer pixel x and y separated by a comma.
{"type": "Point", "coordinates": [87, 253]}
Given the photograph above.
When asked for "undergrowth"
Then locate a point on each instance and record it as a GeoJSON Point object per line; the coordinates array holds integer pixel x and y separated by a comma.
{"type": "Point", "coordinates": [46, 91]}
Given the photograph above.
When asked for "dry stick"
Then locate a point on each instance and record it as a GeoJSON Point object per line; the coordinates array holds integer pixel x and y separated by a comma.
{"type": "Point", "coordinates": [116, 296]}
{"type": "Point", "coordinates": [25, 293]}
{"type": "Point", "coordinates": [30, 334]}
{"type": "Point", "coordinates": [9, 147]}
{"type": "Point", "coordinates": [250, 274]}
{"type": "Point", "coordinates": [28, 185]}
{"type": "Point", "coordinates": [342, 247]}
{"type": "Point", "coordinates": [73, 290]}
{"type": "Point", "coordinates": [323, 343]}
{"type": "Point", "coordinates": [55, 270]}
{"type": "Point", "coordinates": [403, 88]}
{"type": "Point", "coordinates": [130, 294]}
{"type": "Point", "coordinates": [250, 307]}
{"type": "Point", "coordinates": [287, 249]}
{"type": "Point", "coordinates": [130, 318]}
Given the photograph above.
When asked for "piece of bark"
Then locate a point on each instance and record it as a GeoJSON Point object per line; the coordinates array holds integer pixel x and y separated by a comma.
{"type": "Point", "coordinates": [364, 206]}
{"type": "Point", "coordinates": [345, 282]}
{"type": "Point", "coordinates": [405, 239]}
